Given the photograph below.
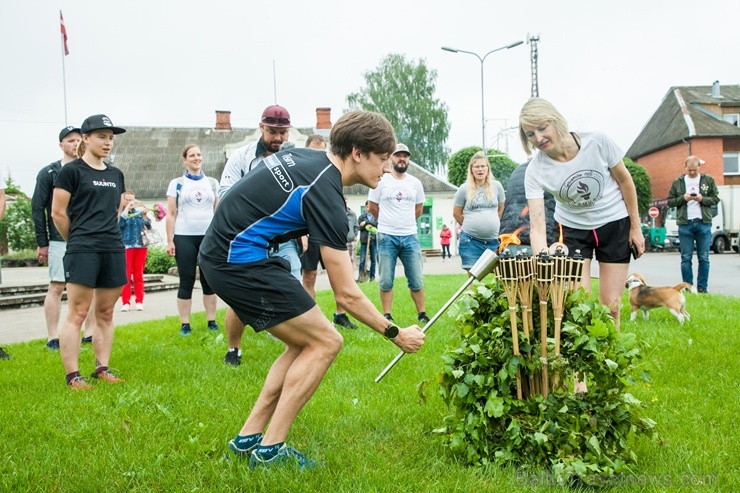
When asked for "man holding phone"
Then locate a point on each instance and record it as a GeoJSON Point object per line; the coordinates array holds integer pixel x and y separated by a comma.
{"type": "Point", "coordinates": [693, 196]}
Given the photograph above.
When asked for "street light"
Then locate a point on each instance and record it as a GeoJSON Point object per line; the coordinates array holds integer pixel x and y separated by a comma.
{"type": "Point", "coordinates": [482, 100]}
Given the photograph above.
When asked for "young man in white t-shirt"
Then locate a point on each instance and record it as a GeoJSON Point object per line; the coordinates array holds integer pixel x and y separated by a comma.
{"type": "Point", "coordinates": [397, 203]}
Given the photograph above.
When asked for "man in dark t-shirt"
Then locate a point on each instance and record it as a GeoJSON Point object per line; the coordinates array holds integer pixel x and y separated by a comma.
{"type": "Point", "coordinates": [291, 194]}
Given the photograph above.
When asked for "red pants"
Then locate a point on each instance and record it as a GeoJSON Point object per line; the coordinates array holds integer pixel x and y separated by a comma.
{"type": "Point", "coordinates": [135, 262]}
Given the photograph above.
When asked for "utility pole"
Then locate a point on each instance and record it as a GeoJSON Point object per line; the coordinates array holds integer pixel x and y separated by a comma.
{"type": "Point", "coordinates": [532, 41]}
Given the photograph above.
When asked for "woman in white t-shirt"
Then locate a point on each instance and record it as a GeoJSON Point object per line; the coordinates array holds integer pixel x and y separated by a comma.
{"type": "Point", "coordinates": [191, 202]}
{"type": "Point", "coordinates": [596, 200]}
{"type": "Point", "coordinates": [477, 207]}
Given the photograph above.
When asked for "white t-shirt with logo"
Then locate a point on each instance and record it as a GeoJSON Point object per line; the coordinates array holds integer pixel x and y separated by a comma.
{"type": "Point", "coordinates": [693, 208]}
{"type": "Point", "coordinates": [194, 206]}
{"type": "Point", "coordinates": [586, 194]}
{"type": "Point", "coordinates": [397, 201]}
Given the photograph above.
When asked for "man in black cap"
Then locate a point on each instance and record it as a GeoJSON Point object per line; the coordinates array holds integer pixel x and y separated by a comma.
{"type": "Point", "coordinates": [50, 244]}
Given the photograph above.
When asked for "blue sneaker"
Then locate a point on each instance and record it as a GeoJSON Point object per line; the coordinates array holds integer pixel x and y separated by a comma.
{"type": "Point", "coordinates": [185, 330]}
{"type": "Point", "coordinates": [212, 325]}
{"type": "Point", "coordinates": [286, 456]}
{"type": "Point", "coordinates": [243, 452]}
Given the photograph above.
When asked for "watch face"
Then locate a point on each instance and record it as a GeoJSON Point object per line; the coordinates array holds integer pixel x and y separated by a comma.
{"type": "Point", "coordinates": [391, 332]}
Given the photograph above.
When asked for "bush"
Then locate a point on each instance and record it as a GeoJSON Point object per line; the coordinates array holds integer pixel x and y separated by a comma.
{"type": "Point", "coordinates": [16, 226]}
{"type": "Point", "coordinates": [584, 435]}
{"type": "Point", "coordinates": [501, 165]}
{"type": "Point", "coordinates": [158, 262]}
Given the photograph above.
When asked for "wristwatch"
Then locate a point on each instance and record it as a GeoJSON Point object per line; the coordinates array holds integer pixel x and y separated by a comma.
{"type": "Point", "coordinates": [391, 332]}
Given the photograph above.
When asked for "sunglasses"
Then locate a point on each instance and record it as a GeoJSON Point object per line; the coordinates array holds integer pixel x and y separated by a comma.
{"type": "Point", "coordinates": [271, 120]}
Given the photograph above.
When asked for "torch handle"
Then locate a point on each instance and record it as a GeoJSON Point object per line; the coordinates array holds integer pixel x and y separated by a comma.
{"type": "Point", "coordinates": [427, 326]}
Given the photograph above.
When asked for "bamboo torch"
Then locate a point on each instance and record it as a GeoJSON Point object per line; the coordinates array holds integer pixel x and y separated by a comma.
{"type": "Point", "coordinates": [508, 276]}
{"type": "Point", "coordinates": [559, 283]}
{"type": "Point", "coordinates": [544, 283]}
{"type": "Point", "coordinates": [526, 285]}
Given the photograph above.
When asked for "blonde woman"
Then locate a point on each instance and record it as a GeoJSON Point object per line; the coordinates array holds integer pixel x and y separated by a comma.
{"type": "Point", "coordinates": [596, 200]}
{"type": "Point", "coordinates": [191, 201]}
{"type": "Point", "coordinates": [477, 207]}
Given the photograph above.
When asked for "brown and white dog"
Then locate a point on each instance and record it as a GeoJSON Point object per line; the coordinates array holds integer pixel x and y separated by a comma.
{"type": "Point", "coordinates": [644, 297]}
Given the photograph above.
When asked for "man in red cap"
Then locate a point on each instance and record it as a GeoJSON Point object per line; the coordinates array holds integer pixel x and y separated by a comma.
{"type": "Point", "coordinates": [274, 127]}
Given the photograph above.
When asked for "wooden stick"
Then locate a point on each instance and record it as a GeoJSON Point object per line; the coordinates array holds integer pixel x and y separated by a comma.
{"type": "Point", "coordinates": [544, 282]}
{"type": "Point", "coordinates": [525, 276]}
{"type": "Point", "coordinates": [507, 275]}
{"type": "Point", "coordinates": [559, 283]}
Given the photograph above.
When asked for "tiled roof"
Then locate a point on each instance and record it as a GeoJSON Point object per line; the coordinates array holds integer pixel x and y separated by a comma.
{"type": "Point", "coordinates": [150, 156]}
{"type": "Point", "coordinates": [687, 112]}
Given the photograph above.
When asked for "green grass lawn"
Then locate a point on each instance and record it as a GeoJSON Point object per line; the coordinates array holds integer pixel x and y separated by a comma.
{"type": "Point", "coordinates": [166, 428]}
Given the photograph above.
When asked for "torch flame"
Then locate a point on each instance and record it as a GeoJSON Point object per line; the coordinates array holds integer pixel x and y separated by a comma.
{"type": "Point", "coordinates": [510, 239]}
{"type": "Point", "coordinates": [525, 211]}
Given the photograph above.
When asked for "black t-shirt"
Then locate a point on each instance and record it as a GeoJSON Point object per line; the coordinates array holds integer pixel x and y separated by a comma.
{"type": "Point", "coordinates": [288, 195]}
{"type": "Point", "coordinates": [93, 206]}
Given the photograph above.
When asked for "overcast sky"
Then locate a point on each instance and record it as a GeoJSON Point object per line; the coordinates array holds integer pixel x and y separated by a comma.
{"type": "Point", "coordinates": [605, 65]}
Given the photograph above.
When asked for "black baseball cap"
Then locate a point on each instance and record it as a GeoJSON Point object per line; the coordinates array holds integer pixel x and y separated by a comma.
{"type": "Point", "coordinates": [96, 122]}
{"type": "Point", "coordinates": [68, 130]}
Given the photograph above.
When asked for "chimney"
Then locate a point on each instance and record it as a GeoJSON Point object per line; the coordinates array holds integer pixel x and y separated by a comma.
{"type": "Point", "coordinates": [715, 90]}
{"type": "Point", "coordinates": [223, 120]}
{"type": "Point", "coordinates": [323, 118]}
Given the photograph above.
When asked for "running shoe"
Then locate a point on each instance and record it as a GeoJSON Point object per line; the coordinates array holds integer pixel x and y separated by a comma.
{"type": "Point", "coordinates": [107, 376]}
{"type": "Point", "coordinates": [53, 345]}
{"type": "Point", "coordinates": [79, 383]}
{"type": "Point", "coordinates": [185, 330]}
{"type": "Point", "coordinates": [233, 357]}
{"type": "Point", "coordinates": [212, 325]}
{"type": "Point", "coordinates": [286, 456]}
{"type": "Point", "coordinates": [4, 355]}
{"type": "Point", "coordinates": [343, 320]}
{"type": "Point", "coordinates": [423, 318]}
{"type": "Point", "coordinates": [87, 340]}
{"type": "Point", "coordinates": [125, 308]}
{"type": "Point", "coordinates": [389, 317]}
{"type": "Point", "coordinates": [140, 307]}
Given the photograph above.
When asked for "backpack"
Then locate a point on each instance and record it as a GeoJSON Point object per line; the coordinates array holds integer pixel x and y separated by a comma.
{"type": "Point", "coordinates": [181, 180]}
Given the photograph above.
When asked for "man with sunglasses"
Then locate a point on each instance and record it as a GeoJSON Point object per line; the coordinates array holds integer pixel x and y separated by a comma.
{"type": "Point", "coordinates": [274, 127]}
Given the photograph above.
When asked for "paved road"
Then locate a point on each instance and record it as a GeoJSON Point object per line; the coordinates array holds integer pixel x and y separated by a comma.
{"type": "Point", "coordinates": [25, 324]}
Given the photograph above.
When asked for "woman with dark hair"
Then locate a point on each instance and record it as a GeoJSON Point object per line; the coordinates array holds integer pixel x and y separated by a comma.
{"type": "Point", "coordinates": [191, 201]}
{"type": "Point", "coordinates": [88, 197]}
{"type": "Point", "coordinates": [133, 222]}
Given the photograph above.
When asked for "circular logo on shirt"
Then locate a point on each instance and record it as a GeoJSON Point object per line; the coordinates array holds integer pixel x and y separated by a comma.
{"type": "Point", "coordinates": [583, 188]}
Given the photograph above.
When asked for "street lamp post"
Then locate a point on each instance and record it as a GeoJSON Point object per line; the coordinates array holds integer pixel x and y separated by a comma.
{"type": "Point", "coordinates": [482, 87]}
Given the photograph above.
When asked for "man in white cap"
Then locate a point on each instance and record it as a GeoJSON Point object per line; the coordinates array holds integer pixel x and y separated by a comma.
{"type": "Point", "coordinates": [398, 203]}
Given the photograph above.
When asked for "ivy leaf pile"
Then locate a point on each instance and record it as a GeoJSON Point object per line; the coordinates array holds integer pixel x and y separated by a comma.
{"type": "Point", "coordinates": [584, 435]}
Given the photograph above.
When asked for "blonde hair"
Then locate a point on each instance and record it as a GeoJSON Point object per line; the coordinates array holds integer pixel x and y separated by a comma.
{"type": "Point", "coordinates": [81, 148]}
{"type": "Point", "coordinates": [537, 111]}
{"type": "Point", "coordinates": [488, 181]}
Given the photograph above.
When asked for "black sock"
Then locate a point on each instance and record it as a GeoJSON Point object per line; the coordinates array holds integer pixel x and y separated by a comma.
{"type": "Point", "coordinates": [267, 452]}
{"type": "Point", "coordinates": [247, 441]}
{"type": "Point", "coordinates": [72, 376]}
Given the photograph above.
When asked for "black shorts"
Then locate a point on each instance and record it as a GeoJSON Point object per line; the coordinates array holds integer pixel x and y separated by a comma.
{"type": "Point", "coordinates": [262, 294]}
{"type": "Point", "coordinates": [311, 258]}
{"type": "Point", "coordinates": [95, 269]}
{"type": "Point", "coordinates": [611, 242]}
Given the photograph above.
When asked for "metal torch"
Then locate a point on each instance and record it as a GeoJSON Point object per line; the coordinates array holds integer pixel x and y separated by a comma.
{"type": "Point", "coordinates": [484, 266]}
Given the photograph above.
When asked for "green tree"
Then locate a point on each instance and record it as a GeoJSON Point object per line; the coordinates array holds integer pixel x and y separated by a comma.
{"type": "Point", "coordinates": [16, 227]}
{"type": "Point", "coordinates": [403, 91]}
{"type": "Point", "coordinates": [501, 165]}
{"type": "Point", "coordinates": [642, 184]}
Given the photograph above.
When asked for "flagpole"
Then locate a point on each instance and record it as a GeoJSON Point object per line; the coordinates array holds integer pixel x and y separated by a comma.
{"type": "Point", "coordinates": [64, 71]}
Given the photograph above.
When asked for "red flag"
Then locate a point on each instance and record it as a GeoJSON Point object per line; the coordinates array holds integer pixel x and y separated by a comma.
{"type": "Point", "coordinates": [64, 33]}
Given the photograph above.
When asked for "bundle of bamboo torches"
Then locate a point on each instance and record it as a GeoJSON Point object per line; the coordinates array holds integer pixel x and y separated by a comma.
{"type": "Point", "coordinates": [554, 274]}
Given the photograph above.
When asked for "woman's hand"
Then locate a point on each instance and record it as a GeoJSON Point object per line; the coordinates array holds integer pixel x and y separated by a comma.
{"type": "Point", "coordinates": [171, 248]}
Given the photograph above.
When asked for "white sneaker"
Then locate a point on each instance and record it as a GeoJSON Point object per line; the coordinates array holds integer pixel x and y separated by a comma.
{"type": "Point", "coordinates": [125, 308]}
{"type": "Point", "coordinates": [140, 307]}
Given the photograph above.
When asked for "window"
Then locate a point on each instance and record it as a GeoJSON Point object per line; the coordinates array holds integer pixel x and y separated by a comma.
{"type": "Point", "coordinates": [733, 118]}
{"type": "Point", "coordinates": [732, 163]}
